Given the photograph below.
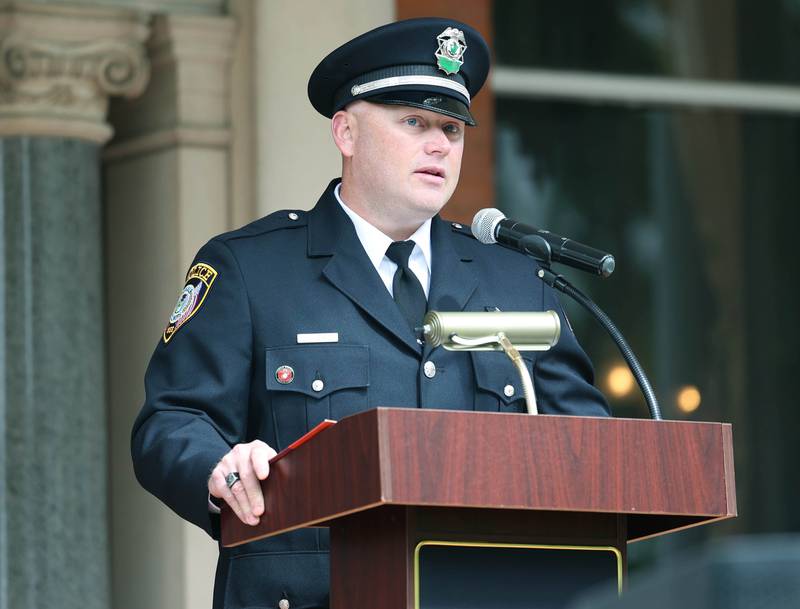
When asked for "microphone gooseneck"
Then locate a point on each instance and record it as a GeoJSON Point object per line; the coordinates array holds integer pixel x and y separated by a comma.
{"type": "Point", "coordinates": [562, 285]}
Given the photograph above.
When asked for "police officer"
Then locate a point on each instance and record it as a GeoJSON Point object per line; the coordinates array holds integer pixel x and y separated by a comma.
{"type": "Point", "coordinates": [302, 316]}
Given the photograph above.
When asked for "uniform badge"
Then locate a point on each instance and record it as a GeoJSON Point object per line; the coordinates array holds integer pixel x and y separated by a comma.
{"type": "Point", "coordinates": [450, 54]}
{"type": "Point", "coordinates": [284, 375]}
{"type": "Point", "coordinates": [198, 283]}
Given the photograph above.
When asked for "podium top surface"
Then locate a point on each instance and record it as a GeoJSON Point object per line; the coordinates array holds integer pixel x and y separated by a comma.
{"type": "Point", "coordinates": [663, 475]}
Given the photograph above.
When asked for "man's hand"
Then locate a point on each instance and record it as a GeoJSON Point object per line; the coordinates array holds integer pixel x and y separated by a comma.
{"type": "Point", "coordinates": [251, 462]}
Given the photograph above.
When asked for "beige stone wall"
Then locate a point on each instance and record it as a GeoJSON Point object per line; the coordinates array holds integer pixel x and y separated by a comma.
{"type": "Point", "coordinates": [296, 155]}
{"type": "Point", "coordinates": [223, 134]}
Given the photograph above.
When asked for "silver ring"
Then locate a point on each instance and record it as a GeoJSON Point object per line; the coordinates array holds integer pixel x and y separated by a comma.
{"type": "Point", "coordinates": [232, 479]}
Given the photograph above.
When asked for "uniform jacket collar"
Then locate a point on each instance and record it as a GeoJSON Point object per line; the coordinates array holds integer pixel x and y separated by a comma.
{"type": "Point", "coordinates": [331, 233]}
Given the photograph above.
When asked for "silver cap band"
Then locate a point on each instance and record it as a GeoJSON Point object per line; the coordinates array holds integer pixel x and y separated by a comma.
{"type": "Point", "coordinates": [419, 79]}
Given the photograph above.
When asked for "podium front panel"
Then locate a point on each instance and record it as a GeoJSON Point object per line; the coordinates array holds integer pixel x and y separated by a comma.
{"type": "Point", "coordinates": [513, 576]}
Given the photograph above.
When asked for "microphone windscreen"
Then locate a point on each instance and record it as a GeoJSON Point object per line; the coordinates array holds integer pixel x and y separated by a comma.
{"type": "Point", "coordinates": [484, 224]}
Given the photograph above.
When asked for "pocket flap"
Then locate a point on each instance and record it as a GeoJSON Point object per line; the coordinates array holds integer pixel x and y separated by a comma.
{"type": "Point", "coordinates": [494, 372]}
{"type": "Point", "coordinates": [317, 370]}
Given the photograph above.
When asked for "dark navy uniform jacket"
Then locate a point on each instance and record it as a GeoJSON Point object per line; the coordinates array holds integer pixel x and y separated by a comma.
{"type": "Point", "coordinates": [214, 385]}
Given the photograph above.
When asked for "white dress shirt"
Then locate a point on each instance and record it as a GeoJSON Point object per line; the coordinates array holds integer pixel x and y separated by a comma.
{"type": "Point", "coordinates": [376, 243]}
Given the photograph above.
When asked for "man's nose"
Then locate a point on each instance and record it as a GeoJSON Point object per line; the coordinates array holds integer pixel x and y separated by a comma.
{"type": "Point", "coordinates": [437, 142]}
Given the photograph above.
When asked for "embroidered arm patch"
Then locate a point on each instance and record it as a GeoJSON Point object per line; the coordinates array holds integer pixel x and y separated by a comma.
{"type": "Point", "coordinates": [198, 283]}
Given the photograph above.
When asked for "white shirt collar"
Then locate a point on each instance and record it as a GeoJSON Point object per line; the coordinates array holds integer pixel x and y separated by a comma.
{"type": "Point", "coordinates": [376, 243]}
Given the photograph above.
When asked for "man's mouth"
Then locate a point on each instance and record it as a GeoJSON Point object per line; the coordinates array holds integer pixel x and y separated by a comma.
{"type": "Point", "coordinates": [432, 171]}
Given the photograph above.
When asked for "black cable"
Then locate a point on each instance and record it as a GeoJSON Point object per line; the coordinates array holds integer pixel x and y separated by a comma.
{"type": "Point", "coordinates": [561, 284]}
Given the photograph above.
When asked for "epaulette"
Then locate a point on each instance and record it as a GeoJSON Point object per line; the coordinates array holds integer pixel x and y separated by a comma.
{"type": "Point", "coordinates": [285, 218]}
{"type": "Point", "coordinates": [465, 249]}
{"type": "Point", "coordinates": [461, 229]}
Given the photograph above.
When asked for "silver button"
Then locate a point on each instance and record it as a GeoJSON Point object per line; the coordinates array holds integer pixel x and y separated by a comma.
{"type": "Point", "coordinates": [318, 385]}
{"type": "Point", "coordinates": [293, 216]}
{"type": "Point", "coordinates": [457, 225]}
{"type": "Point", "coordinates": [508, 390]}
{"type": "Point", "coordinates": [429, 369]}
{"type": "Point", "coordinates": [283, 604]}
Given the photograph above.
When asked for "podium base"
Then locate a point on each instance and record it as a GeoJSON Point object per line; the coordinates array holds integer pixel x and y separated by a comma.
{"type": "Point", "coordinates": [435, 558]}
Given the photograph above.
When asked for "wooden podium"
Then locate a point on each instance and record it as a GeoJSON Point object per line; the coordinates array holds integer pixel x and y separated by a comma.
{"type": "Point", "coordinates": [425, 503]}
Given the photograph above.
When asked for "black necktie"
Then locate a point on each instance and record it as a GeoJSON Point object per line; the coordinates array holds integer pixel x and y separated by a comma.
{"type": "Point", "coordinates": [407, 290]}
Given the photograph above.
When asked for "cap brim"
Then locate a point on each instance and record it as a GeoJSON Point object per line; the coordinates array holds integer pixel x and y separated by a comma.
{"type": "Point", "coordinates": [435, 102]}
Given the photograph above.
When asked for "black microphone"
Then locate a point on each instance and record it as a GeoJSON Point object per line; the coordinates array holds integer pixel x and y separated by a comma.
{"type": "Point", "coordinates": [491, 226]}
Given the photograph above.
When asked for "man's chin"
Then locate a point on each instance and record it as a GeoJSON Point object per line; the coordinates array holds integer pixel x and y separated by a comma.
{"type": "Point", "coordinates": [431, 199]}
{"type": "Point", "coordinates": [430, 207]}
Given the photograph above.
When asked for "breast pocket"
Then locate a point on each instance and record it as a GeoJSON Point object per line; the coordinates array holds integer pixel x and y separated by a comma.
{"type": "Point", "coordinates": [309, 383]}
{"type": "Point", "coordinates": [497, 381]}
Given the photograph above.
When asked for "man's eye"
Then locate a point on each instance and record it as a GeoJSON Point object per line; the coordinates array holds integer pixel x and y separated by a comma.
{"type": "Point", "coordinates": [412, 122]}
{"type": "Point", "coordinates": [452, 129]}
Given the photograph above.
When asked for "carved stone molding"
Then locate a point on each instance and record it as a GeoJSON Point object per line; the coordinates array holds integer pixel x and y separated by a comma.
{"type": "Point", "coordinates": [172, 7]}
{"type": "Point", "coordinates": [59, 65]}
{"type": "Point", "coordinates": [187, 101]}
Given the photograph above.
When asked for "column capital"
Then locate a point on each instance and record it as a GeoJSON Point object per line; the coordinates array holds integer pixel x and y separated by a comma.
{"type": "Point", "coordinates": [188, 99]}
{"type": "Point", "coordinates": [59, 65]}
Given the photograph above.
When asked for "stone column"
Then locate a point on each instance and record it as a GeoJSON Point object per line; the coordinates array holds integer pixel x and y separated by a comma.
{"type": "Point", "coordinates": [167, 190]}
{"type": "Point", "coordinates": [58, 66]}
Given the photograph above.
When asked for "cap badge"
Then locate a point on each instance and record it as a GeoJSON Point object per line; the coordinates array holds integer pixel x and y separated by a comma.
{"type": "Point", "coordinates": [449, 55]}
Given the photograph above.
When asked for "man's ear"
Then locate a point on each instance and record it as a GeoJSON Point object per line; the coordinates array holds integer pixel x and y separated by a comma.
{"type": "Point", "coordinates": [343, 128]}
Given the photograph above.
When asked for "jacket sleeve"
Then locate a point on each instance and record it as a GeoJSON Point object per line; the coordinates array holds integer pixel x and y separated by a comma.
{"type": "Point", "coordinates": [563, 376]}
{"type": "Point", "coordinates": [197, 393]}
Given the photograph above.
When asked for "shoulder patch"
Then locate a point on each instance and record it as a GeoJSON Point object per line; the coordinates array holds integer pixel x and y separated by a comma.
{"type": "Point", "coordinates": [198, 283]}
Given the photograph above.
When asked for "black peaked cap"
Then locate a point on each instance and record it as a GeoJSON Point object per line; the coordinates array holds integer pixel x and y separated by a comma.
{"type": "Point", "coordinates": [398, 64]}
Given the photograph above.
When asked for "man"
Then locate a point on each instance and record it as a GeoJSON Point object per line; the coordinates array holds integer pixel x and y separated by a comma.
{"type": "Point", "coordinates": [302, 316]}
